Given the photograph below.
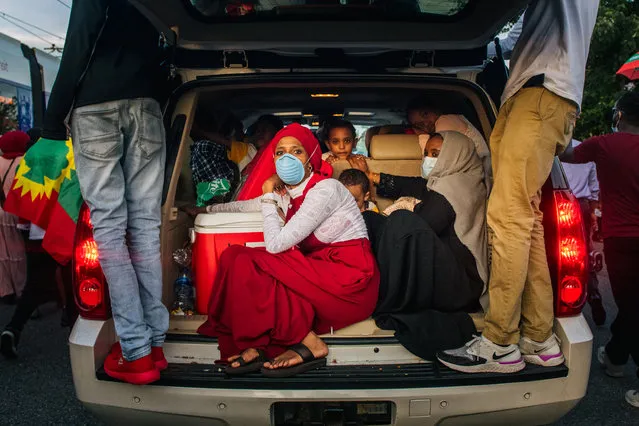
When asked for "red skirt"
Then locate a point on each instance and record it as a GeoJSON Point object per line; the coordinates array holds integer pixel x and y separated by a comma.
{"type": "Point", "coordinates": [272, 301]}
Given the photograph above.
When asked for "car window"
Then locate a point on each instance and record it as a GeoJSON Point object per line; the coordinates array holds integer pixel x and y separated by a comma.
{"type": "Point", "coordinates": [327, 9]}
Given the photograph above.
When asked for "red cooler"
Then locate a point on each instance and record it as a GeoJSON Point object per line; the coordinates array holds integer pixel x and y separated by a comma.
{"type": "Point", "coordinates": [213, 233]}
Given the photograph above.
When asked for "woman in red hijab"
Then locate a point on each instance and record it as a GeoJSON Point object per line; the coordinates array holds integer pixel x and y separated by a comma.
{"type": "Point", "coordinates": [317, 273]}
{"type": "Point", "coordinates": [13, 266]}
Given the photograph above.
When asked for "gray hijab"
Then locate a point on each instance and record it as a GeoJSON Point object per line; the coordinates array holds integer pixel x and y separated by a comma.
{"type": "Point", "coordinates": [459, 176]}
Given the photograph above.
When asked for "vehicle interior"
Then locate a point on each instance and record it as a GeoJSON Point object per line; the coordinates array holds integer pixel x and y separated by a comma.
{"type": "Point", "coordinates": [366, 105]}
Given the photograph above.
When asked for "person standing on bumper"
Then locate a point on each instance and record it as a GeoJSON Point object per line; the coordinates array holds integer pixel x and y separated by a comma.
{"type": "Point", "coordinates": [111, 82]}
{"type": "Point", "coordinates": [535, 122]}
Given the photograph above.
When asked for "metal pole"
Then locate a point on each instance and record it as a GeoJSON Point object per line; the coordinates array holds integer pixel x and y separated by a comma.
{"type": "Point", "coordinates": [37, 85]}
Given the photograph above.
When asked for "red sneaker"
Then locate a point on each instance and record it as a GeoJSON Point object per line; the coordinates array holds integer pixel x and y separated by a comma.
{"type": "Point", "coordinates": [157, 353]}
{"type": "Point", "coordinates": [139, 372]}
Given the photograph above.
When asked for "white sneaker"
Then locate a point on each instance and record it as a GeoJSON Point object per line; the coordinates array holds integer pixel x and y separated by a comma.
{"type": "Point", "coordinates": [632, 398]}
{"type": "Point", "coordinates": [546, 354]}
{"type": "Point", "coordinates": [480, 355]}
{"type": "Point", "coordinates": [612, 370]}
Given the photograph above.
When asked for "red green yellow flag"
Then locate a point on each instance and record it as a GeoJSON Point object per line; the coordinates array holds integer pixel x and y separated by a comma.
{"type": "Point", "coordinates": [46, 192]}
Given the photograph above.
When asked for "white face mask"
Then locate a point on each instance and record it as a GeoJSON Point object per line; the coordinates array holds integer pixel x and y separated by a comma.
{"type": "Point", "coordinates": [428, 165]}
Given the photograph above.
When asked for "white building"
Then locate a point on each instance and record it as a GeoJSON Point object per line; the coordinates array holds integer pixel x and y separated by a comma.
{"type": "Point", "coordinates": [15, 77]}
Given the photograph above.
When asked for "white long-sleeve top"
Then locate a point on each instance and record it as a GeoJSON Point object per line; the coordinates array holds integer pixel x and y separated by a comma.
{"type": "Point", "coordinates": [329, 211]}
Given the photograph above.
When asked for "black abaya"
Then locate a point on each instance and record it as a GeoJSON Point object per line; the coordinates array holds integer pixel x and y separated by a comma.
{"type": "Point", "coordinates": [429, 280]}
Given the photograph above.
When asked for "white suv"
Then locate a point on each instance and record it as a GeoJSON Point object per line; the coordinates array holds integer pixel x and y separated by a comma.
{"type": "Point", "coordinates": [370, 57]}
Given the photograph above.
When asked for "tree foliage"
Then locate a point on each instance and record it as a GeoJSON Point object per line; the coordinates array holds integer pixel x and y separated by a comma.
{"type": "Point", "coordinates": [615, 39]}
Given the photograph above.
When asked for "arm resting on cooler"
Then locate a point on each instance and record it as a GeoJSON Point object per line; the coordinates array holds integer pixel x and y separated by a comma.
{"type": "Point", "coordinates": [248, 206]}
{"type": "Point", "coordinates": [319, 204]}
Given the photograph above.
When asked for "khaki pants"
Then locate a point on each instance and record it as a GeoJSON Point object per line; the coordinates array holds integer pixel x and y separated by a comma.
{"type": "Point", "coordinates": [532, 127]}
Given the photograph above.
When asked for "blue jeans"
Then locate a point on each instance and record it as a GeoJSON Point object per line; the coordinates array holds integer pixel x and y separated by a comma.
{"type": "Point", "coordinates": [119, 155]}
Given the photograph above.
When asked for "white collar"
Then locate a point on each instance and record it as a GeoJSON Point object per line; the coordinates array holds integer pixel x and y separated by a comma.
{"type": "Point", "coordinates": [299, 190]}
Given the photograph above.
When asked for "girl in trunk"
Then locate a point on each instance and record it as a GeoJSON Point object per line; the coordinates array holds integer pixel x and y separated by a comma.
{"type": "Point", "coordinates": [433, 259]}
{"type": "Point", "coordinates": [317, 273]}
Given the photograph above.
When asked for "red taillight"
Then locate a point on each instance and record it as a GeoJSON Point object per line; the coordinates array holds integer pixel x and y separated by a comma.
{"type": "Point", "coordinates": [572, 268]}
{"type": "Point", "coordinates": [91, 293]}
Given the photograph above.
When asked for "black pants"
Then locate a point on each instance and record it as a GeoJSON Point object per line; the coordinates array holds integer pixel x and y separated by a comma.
{"type": "Point", "coordinates": [39, 288]}
{"type": "Point", "coordinates": [593, 282]}
{"type": "Point", "coordinates": [622, 260]}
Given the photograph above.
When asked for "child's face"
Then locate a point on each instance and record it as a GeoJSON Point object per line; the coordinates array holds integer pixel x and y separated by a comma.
{"type": "Point", "coordinates": [360, 196]}
{"type": "Point", "coordinates": [341, 142]}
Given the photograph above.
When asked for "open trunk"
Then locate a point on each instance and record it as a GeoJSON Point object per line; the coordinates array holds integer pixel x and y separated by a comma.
{"type": "Point", "coordinates": [368, 101]}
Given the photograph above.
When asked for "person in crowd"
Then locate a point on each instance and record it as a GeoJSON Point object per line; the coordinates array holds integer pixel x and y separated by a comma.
{"type": "Point", "coordinates": [341, 139]}
{"type": "Point", "coordinates": [536, 120]}
{"type": "Point", "coordinates": [222, 127]}
{"type": "Point", "coordinates": [426, 118]}
{"type": "Point", "coordinates": [111, 84]}
{"type": "Point", "coordinates": [582, 179]}
{"type": "Point", "coordinates": [215, 175]}
{"type": "Point", "coordinates": [317, 273]}
{"type": "Point", "coordinates": [260, 135]}
{"type": "Point", "coordinates": [262, 132]}
{"type": "Point", "coordinates": [616, 156]}
{"type": "Point", "coordinates": [433, 259]}
{"type": "Point", "coordinates": [40, 288]}
{"type": "Point", "coordinates": [358, 185]}
{"type": "Point", "coordinates": [12, 252]}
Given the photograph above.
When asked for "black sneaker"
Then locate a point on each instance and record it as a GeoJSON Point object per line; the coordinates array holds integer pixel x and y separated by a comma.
{"type": "Point", "coordinates": [598, 311]}
{"type": "Point", "coordinates": [9, 343]}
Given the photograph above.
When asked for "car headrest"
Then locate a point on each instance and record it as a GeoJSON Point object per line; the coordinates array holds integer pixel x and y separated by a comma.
{"type": "Point", "coordinates": [396, 147]}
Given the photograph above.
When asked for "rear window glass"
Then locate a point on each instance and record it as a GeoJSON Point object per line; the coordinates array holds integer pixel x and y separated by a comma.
{"type": "Point", "coordinates": [376, 10]}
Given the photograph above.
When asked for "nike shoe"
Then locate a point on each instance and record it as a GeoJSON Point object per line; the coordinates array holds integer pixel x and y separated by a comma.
{"type": "Point", "coordinates": [546, 354]}
{"type": "Point", "coordinates": [480, 355]}
{"type": "Point", "coordinates": [632, 398]}
{"type": "Point", "coordinates": [612, 370]}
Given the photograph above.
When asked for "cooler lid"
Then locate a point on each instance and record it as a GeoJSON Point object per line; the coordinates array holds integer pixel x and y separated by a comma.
{"type": "Point", "coordinates": [229, 222]}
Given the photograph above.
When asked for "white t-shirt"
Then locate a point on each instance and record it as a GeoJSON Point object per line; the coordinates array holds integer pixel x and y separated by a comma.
{"type": "Point", "coordinates": [554, 41]}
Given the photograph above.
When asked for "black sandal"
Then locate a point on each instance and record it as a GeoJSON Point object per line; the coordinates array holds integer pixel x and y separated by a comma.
{"type": "Point", "coordinates": [247, 367]}
{"type": "Point", "coordinates": [309, 362]}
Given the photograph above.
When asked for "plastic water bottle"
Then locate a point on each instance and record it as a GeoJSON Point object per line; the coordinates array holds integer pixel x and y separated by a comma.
{"type": "Point", "coordinates": [183, 288]}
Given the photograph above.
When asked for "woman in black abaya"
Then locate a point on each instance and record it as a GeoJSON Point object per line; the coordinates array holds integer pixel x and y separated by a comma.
{"type": "Point", "coordinates": [433, 260]}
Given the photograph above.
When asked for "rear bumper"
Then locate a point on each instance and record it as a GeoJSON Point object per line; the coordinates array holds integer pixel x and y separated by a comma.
{"type": "Point", "coordinates": [524, 402]}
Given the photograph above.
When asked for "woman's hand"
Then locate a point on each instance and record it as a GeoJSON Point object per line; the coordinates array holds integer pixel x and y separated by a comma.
{"type": "Point", "coordinates": [193, 211]}
{"type": "Point", "coordinates": [358, 162]}
{"type": "Point", "coordinates": [273, 184]}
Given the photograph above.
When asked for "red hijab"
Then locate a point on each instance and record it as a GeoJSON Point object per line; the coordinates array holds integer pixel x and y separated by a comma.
{"type": "Point", "coordinates": [14, 144]}
{"type": "Point", "coordinates": [265, 167]}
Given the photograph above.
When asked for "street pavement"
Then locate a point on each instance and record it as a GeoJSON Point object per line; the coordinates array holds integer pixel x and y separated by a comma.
{"type": "Point", "coordinates": [37, 388]}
